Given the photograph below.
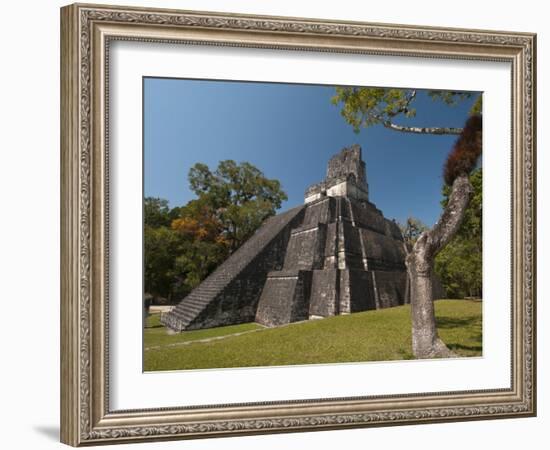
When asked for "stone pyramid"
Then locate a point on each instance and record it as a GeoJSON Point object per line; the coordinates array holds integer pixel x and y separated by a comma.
{"type": "Point", "coordinates": [336, 254]}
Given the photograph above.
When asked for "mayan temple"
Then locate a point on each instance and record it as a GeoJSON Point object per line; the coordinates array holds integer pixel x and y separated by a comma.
{"type": "Point", "coordinates": [335, 254]}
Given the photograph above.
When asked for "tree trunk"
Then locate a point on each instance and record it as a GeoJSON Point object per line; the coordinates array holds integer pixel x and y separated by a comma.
{"type": "Point", "coordinates": [420, 262]}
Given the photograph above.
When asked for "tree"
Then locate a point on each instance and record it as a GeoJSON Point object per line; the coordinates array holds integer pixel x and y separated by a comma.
{"type": "Point", "coordinates": [161, 247]}
{"type": "Point", "coordinates": [196, 261]}
{"type": "Point", "coordinates": [203, 243]}
{"type": "Point", "coordinates": [459, 264]}
{"type": "Point", "coordinates": [240, 196]}
{"type": "Point", "coordinates": [156, 212]}
{"type": "Point", "coordinates": [412, 230]}
{"type": "Point", "coordinates": [420, 261]}
{"type": "Point", "coordinates": [367, 107]}
{"type": "Point", "coordinates": [183, 245]}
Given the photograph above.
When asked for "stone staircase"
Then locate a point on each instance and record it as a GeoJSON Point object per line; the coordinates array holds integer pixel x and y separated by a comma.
{"type": "Point", "coordinates": [189, 310]}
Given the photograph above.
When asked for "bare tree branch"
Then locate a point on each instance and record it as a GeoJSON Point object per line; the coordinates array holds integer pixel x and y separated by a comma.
{"type": "Point", "coordinates": [451, 218]}
{"type": "Point", "coordinates": [410, 98]}
{"type": "Point", "coordinates": [421, 130]}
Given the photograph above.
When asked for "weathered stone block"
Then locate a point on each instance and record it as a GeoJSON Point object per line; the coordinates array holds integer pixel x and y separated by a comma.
{"type": "Point", "coordinates": [347, 164]}
{"type": "Point", "coordinates": [346, 177]}
{"type": "Point", "coordinates": [325, 293]}
{"type": "Point", "coordinates": [361, 288]}
{"type": "Point", "coordinates": [366, 215]}
{"type": "Point", "coordinates": [322, 211]}
{"type": "Point", "coordinates": [382, 252]}
{"type": "Point", "coordinates": [351, 255]}
{"type": "Point", "coordinates": [305, 248]}
{"type": "Point", "coordinates": [285, 298]}
{"type": "Point", "coordinates": [390, 288]}
{"type": "Point", "coordinates": [331, 247]}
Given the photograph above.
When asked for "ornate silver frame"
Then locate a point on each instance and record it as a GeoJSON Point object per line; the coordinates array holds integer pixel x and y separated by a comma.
{"type": "Point", "coordinates": [86, 31]}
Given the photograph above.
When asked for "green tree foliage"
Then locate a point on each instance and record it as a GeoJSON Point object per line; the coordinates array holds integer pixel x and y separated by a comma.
{"type": "Point", "coordinates": [203, 243]}
{"type": "Point", "coordinates": [412, 230]}
{"type": "Point", "coordinates": [365, 107]}
{"type": "Point", "coordinates": [161, 248]}
{"type": "Point", "coordinates": [185, 244]}
{"type": "Point", "coordinates": [459, 264]}
{"type": "Point", "coordinates": [156, 212]}
{"type": "Point", "coordinates": [239, 194]}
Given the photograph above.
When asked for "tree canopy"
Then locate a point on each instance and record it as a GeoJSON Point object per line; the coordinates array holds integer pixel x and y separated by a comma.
{"type": "Point", "coordinates": [183, 245]}
{"type": "Point", "coordinates": [363, 107]}
{"type": "Point", "coordinates": [239, 195]}
{"type": "Point", "coordinates": [459, 264]}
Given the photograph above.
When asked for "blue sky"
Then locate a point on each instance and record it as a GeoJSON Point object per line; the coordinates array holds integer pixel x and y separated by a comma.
{"type": "Point", "coordinates": [289, 131]}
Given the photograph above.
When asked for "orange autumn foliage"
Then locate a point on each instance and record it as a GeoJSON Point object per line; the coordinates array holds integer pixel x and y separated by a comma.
{"type": "Point", "coordinates": [203, 227]}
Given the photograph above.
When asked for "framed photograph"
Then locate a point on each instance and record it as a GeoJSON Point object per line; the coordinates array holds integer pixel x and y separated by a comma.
{"type": "Point", "coordinates": [275, 224]}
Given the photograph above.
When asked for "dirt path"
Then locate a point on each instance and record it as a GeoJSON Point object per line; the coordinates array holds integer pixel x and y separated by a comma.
{"type": "Point", "coordinates": [219, 338]}
{"type": "Point", "coordinates": [201, 341]}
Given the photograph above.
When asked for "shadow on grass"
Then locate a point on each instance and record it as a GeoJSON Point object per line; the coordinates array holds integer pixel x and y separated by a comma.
{"type": "Point", "coordinates": [455, 322]}
{"type": "Point", "coordinates": [471, 331]}
{"type": "Point", "coordinates": [472, 348]}
{"type": "Point", "coordinates": [404, 354]}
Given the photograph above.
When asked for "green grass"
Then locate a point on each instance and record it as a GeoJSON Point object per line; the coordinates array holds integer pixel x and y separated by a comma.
{"type": "Point", "coordinates": [155, 333]}
{"type": "Point", "coordinates": [381, 335]}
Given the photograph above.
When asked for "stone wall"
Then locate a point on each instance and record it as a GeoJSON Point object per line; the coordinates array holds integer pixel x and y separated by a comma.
{"type": "Point", "coordinates": [305, 248]}
{"type": "Point", "coordinates": [231, 293]}
{"type": "Point", "coordinates": [347, 164]}
{"type": "Point", "coordinates": [352, 256]}
{"type": "Point", "coordinates": [325, 293]}
{"type": "Point", "coordinates": [238, 302]}
{"type": "Point", "coordinates": [360, 290]}
{"type": "Point", "coordinates": [390, 288]}
{"type": "Point", "coordinates": [383, 252]}
{"type": "Point", "coordinates": [285, 298]}
{"type": "Point", "coordinates": [337, 254]}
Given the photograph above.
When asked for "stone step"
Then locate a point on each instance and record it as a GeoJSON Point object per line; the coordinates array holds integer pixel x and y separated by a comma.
{"type": "Point", "coordinates": [184, 317]}
{"type": "Point", "coordinates": [195, 309]}
{"type": "Point", "coordinates": [191, 308]}
{"type": "Point", "coordinates": [192, 305]}
{"type": "Point", "coordinates": [194, 302]}
{"type": "Point", "coordinates": [210, 289]}
{"type": "Point", "coordinates": [201, 297]}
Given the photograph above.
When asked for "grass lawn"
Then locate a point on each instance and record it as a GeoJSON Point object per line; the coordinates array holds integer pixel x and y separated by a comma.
{"type": "Point", "coordinates": [380, 335]}
{"type": "Point", "coordinates": [156, 335]}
